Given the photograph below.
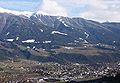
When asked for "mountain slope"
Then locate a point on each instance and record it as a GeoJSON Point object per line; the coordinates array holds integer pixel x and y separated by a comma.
{"type": "Point", "coordinates": [61, 39]}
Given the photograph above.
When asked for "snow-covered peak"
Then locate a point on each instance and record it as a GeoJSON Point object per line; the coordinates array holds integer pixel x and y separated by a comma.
{"type": "Point", "coordinates": [25, 13]}
{"type": "Point", "coordinates": [41, 12]}
{"type": "Point", "coordinates": [48, 14]}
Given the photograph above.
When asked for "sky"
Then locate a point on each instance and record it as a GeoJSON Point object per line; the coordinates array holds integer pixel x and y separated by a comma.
{"type": "Point", "coordinates": [98, 10]}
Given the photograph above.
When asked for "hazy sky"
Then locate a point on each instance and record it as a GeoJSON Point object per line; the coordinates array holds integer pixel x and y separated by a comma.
{"type": "Point", "coordinates": [100, 10]}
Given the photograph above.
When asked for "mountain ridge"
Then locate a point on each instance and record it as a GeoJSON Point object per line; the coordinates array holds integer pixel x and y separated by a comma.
{"type": "Point", "coordinates": [59, 38]}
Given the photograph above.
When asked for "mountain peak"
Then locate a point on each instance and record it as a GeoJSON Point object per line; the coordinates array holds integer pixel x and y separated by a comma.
{"type": "Point", "coordinates": [25, 13]}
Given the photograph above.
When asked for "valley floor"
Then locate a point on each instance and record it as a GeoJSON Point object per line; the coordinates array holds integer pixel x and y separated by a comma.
{"type": "Point", "coordinates": [27, 71]}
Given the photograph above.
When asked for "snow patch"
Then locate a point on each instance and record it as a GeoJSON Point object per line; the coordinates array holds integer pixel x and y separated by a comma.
{"type": "Point", "coordinates": [17, 38]}
{"type": "Point", "coordinates": [85, 41]}
{"type": "Point", "coordinates": [29, 41]}
{"type": "Point", "coordinates": [37, 42]}
{"type": "Point", "coordinates": [10, 40]}
{"type": "Point", "coordinates": [76, 41]}
{"type": "Point", "coordinates": [59, 18]}
{"type": "Point", "coordinates": [41, 30]}
{"type": "Point", "coordinates": [114, 41]}
{"type": "Point", "coordinates": [46, 42]}
{"type": "Point", "coordinates": [57, 32]}
{"type": "Point", "coordinates": [28, 47]}
{"type": "Point", "coordinates": [8, 33]}
{"type": "Point", "coordinates": [33, 47]}
{"type": "Point", "coordinates": [85, 46]}
{"type": "Point", "coordinates": [41, 80]}
{"type": "Point", "coordinates": [68, 48]}
{"type": "Point", "coordinates": [81, 38]}
{"type": "Point", "coordinates": [65, 24]}
{"type": "Point", "coordinates": [119, 64]}
{"type": "Point", "coordinates": [87, 35]}
{"type": "Point", "coordinates": [114, 47]}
